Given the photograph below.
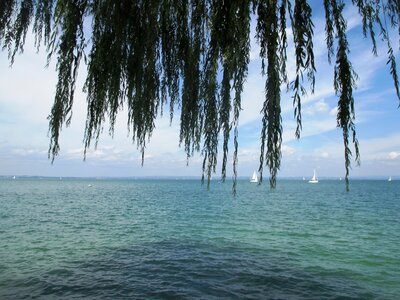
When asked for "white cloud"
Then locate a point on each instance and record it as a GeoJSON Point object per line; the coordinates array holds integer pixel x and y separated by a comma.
{"type": "Point", "coordinates": [394, 155]}
{"type": "Point", "coordinates": [319, 107]}
{"type": "Point", "coordinates": [76, 153]}
{"type": "Point", "coordinates": [372, 149]}
{"type": "Point", "coordinates": [28, 152]}
{"type": "Point", "coordinates": [287, 150]}
{"type": "Point", "coordinates": [311, 126]}
{"type": "Point", "coordinates": [253, 99]}
{"type": "Point", "coordinates": [324, 154]}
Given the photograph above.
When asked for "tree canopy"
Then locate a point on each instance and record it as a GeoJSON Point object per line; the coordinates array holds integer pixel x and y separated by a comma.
{"type": "Point", "coordinates": [193, 56]}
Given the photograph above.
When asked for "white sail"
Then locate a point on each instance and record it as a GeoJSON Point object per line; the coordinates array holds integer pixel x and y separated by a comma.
{"type": "Point", "coordinates": [390, 179]}
{"type": "Point", "coordinates": [254, 178]}
{"type": "Point", "coordinates": [314, 179]}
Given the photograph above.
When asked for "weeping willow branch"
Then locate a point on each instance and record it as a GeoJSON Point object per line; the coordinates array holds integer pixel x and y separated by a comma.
{"type": "Point", "coordinates": [20, 28]}
{"type": "Point", "coordinates": [375, 15]}
{"type": "Point", "coordinates": [271, 132]}
{"type": "Point", "coordinates": [302, 35]}
{"type": "Point", "coordinates": [391, 57]}
{"type": "Point", "coordinates": [344, 83]}
{"type": "Point", "coordinates": [192, 56]}
{"type": "Point", "coordinates": [71, 45]}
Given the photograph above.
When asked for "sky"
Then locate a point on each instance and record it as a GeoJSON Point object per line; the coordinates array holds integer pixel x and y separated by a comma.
{"type": "Point", "coordinates": [28, 87]}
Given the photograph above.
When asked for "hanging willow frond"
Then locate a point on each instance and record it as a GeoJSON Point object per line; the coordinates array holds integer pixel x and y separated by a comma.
{"type": "Point", "coordinates": [169, 53]}
{"type": "Point", "coordinates": [392, 9]}
{"type": "Point", "coordinates": [240, 63]}
{"type": "Point", "coordinates": [42, 23]}
{"type": "Point", "coordinates": [374, 14]}
{"type": "Point", "coordinates": [19, 29]}
{"type": "Point", "coordinates": [191, 40]}
{"type": "Point", "coordinates": [192, 56]}
{"type": "Point", "coordinates": [344, 83]}
{"type": "Point", "coordinates": [391, 58]}
{"type": "Point", "coordinates": [234, 46]}
{"type": "Point", "coordinates": [70, 15]}
{"type": "Point", "coordinates": [302, 35]}
{"type": "Point", "coordinates": [271, 132]}
{"type": "Point", "coordinates": [211, 104]}
{"type": "Point", "coordinates": [7, 8]}
{"type": "Point", "coordinates": [329, 29]}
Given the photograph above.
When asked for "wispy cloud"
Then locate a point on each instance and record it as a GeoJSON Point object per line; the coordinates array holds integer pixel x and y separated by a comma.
{"type": "Point", "coordinates": [317, 108]}
{"type": "Point", "coordinates": [394, 155]}
{"type": "Point", "coordinates": [29, 152]}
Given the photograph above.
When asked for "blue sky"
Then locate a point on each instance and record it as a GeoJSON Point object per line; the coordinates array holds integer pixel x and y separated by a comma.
{"type": "Point", "coordinates": [27, 92]}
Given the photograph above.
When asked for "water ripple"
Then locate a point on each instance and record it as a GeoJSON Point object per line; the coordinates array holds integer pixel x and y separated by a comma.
{"type": "Point", "coordinates": [173, 240]}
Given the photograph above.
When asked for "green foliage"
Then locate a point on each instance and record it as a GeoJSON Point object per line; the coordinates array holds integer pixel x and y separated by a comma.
{"type": "Point", "coordinates": [344, 81]}
{"type": "Point", "coordinates": [271, 132]}
{"type": "Point", "coordinates": [194, 55]}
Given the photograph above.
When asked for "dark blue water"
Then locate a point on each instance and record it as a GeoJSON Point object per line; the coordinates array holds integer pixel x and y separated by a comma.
{"type": "Point", "coordinates": [168, 239]}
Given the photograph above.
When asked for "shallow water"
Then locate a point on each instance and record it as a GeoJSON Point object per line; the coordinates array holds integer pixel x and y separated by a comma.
{"type": "Point", "coordinates": [173, 239]}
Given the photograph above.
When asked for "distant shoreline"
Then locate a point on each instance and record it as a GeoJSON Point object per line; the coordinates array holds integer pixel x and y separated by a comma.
{"type": "Point", "coordinates": [185, 177]}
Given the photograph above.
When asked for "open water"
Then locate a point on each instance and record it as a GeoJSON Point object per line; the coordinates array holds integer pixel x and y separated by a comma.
{"type": "Point", "coordinates": [172, 239]}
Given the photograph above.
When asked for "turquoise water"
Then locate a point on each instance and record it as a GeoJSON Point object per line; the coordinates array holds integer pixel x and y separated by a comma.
{"type": "Point", "coordinates": [167, 239]}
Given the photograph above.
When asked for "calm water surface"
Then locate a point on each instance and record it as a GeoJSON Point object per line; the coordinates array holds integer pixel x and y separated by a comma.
{"type": "Point", "coordinates": [167, 239]}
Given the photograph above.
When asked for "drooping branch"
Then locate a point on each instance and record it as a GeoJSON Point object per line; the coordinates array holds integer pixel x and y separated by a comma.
{"type": "Point", "coordinates": [374, 16]}
{"type": "Point", "coordinates": [17, 34]}
{"type": "Point", "coordinates": [235, 58]}
{"type": "Point", "coordinates": [191, 41]}
{"type": "Point", "coordinates": [211, 105]}
{"type": "Point", "coordinates": [344, 83]}
{"type": "Point", "coordinates": [69, 16]}
{"type": "Point", "coordinates": [42, 23]}
{"type": "Point", "coordinates": [271, 132]}
{"type": "Point", "coordinates": [302, 35]}
{"type": "Point", "coordinates": [240, 63]}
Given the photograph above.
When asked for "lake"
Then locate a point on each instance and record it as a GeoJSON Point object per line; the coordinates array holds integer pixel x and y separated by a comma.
{"type": "Point", "coordinates": [173, 239]}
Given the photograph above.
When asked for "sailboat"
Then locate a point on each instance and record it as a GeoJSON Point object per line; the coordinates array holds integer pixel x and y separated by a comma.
{"type": "Point", "coordinates": [254, 178]}
{"type": "Point", "coordinates": [314, 179]}
{"type": "Point", "coordinates": [390, 178]}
